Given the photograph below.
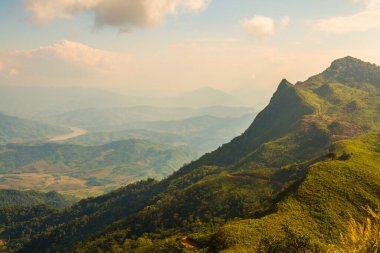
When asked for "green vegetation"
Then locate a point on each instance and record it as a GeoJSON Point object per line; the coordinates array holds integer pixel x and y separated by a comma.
{"type": "Point", "coordinates": [33, 198]}
{"type": "Point", "coordinates": [13, 129]}
{"type": "Point", "coordinates": [86, 171]}
{"type": "Point", "coordinates": [292, 182]}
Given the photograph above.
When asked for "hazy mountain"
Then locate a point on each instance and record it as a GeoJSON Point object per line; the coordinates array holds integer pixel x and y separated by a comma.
{"type": "Point", "coordinates": [13, 129]}
{"type": "Point", "coordinates": [308, 163]}
{"type": "Point", "coordinates": [199, 134]}
{"type": "Point", "coordinates": [38, 102]}
{"type": "Point", "coordinates": [122, 118]}
{"type": "Point", "coordinates": [203, 97]}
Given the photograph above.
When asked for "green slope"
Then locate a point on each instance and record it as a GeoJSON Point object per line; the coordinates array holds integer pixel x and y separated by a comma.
{"type": "Point", "coordinates": [332, 192]}
{"type": "Point", "coordinates": [275, 173]}
{"type": "Point", "coordinates": [14, 129]}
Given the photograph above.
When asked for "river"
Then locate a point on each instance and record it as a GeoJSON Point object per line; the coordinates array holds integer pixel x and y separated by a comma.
{"type": "Point", "coordinates": [75, 132]}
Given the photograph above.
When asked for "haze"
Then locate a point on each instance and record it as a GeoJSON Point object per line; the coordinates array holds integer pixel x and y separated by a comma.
{"type": "Point", "coordinates": [163, 48]}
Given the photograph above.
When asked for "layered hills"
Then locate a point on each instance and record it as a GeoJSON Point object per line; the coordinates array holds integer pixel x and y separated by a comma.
{"type": "Point", "coordinates": [309, 161]}
{"type": "Point", "coordinates": [84, 171]}
{"type": "Point", "coordinates": [13, 129]}
{"type": "Point", "coordinates": [200, 134]}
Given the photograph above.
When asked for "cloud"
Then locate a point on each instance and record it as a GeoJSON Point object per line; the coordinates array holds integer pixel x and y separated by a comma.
{"type": "Point", "coordinates": [284, 22]}
{"type": "Point", "coordinates": [262, 27]}
{"type": "Point", "coordinates": [61, 63]}
{"type": "Point", "coordinates": [73, 53]}
{"type": "Point", "coordinates": [224, 63]}
{"type": "Point", "coordinates": [69, 55]}
{"type": "Point", "coordinates": [363, 21]}
{"type": "Point", "coordinates": [123, 14]}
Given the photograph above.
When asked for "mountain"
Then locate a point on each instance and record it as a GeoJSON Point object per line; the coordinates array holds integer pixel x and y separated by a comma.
{"type": "Point", "coordinates": [353, 72]}
{"type": "Point", "coordinates": [199, 134]}
{"type": "Point", "coordinates": [289, 183]}
{"type": "Point", "coordinates": [86, 171]}
{"type": "Point", "coordinates": [33, 198]}
{"type": "Point", "coordinates": [107, 119]}
{"type": "Point", "coordinates": [204, 97]}
{"type": "Point", "coordinates": [40, 101]}
{"type": "Point", "coordinates": [13, 129]}
{"type": "Point", "coordinates": [335, 189]}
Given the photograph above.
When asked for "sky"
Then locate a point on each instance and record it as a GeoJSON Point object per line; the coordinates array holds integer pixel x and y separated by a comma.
{"type": "Point", "coordinates": [161, 47]}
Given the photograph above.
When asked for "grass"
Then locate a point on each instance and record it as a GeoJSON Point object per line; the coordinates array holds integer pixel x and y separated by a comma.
{"type": "Point", "coordinates": [332, 193]}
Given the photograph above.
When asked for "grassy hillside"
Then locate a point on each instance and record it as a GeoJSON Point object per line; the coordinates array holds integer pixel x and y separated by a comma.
{"type": "Point", "coordinates": [333, 191]}
{"type": "Point", "coordinates": [14, 129]}
{"type": "Point", "coordinates": [83, 171]}
{"type": "Point", "coordinates": [307, 163]}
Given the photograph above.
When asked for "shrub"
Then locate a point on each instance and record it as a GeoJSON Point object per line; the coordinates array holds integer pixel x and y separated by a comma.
{"type": "Point", "coordinates": [361, 237]}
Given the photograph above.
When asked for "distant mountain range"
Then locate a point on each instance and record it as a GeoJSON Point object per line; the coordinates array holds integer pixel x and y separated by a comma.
{"type": "Point", "coordinates": [202, 97]}
{"type": "Point", "coordinates": [31, 102]}
{"type": "Point", "coordinates": [37, 102]}
{"type": "Point", "coordinates": [200, 134]}
{"type": "Point", "coordinates": [308, 163]}
{"type": "Point", "coordinates": [111, 119]}
{"type": "Point", "coordinates": [13, 129]}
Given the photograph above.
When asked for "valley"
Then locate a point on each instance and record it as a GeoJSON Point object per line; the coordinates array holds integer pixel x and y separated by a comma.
{"type": "Point", "coordinates": [189, 126]}
{"type": "Point", "coordinates": [109, 147]}
{"type": "Point", "coordinates": [308, 162]}
{"type": "Point", "coordinates": [81, 171]}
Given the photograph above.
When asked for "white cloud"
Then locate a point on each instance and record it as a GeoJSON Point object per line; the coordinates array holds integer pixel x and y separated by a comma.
{"type": "Point", "coordinates": [284, 22]}
{"type": "Point", "coordinates": [363, 21]}
{"type": "Point", "coordinates": [124, 14]}
{"type": "Point", "coordinates": [225, 63]}
{"type": "Point", "coordinates": [74, 53]}
{"type": "Point", "coordinates": [259, 26]}
{"type": "Point", "coordinates": [262, 27]}
{"type": "Point", "coordinates": [61, 63]}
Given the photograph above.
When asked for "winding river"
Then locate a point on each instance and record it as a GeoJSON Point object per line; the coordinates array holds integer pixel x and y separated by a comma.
{"type": "Point", "coordinates": [75, 132]}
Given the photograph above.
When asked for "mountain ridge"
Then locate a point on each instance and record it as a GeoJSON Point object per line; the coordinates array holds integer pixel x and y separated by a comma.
{"type": "Point", "coordinates": [279, 172]}
{"type": "Point", "coordinates": [14, 129]}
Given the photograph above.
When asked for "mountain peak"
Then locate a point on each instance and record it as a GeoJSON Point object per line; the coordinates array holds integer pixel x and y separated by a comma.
{"type": "Point", "coordinates": [353, 72]}
{"type": "Point", "coordinates": [284, 85]}
{"type": "Point", "coordinates": [349, 61]}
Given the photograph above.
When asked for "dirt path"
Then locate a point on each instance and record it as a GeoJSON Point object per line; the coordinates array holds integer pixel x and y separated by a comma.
{"type": "Point", "coordinates": [75, 132]}
{"type": "Point", "coordinates": [189, 244]}
{"type": "Point", "coordinates": [255, 177]}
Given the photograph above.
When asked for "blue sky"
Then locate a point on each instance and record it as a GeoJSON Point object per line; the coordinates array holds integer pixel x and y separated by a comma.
{"type": "Point", "coordinates": [242, 46]}
{"type": "Point", "coordinates": [221, 19]}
